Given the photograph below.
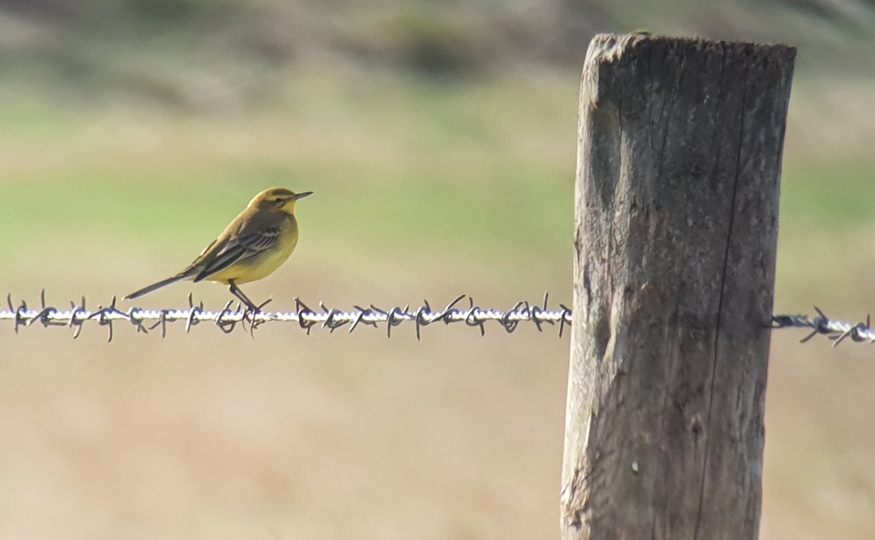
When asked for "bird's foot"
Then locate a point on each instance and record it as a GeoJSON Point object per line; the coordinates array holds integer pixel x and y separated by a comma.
{"type": "Point", "coordinates": [252, 315]}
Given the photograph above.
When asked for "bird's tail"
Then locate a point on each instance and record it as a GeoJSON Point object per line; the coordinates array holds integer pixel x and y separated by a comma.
{"type": "Point", "coordinates": [154, 286]}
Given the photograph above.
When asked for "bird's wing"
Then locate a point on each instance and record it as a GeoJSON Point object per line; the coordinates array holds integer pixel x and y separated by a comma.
{"type": "Point", "coordinates": [254, 237]}
{"type": "Point", "coordinates": [197, 264]}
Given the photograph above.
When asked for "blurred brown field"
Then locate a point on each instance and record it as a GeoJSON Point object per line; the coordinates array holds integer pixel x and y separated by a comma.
{"type": "Point", "coordinates": [439, 139]}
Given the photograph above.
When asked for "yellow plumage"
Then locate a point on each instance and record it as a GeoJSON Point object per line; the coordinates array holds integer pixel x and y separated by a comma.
{"type": "Point", "coordinates": [251, 247]}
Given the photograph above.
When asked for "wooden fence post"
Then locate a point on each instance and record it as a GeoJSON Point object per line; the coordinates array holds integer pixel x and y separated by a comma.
{"type": "Point", "coordinates": [676, 221]}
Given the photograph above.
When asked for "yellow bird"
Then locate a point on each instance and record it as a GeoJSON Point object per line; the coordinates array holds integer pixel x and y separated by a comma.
{"type": "Point", "coordinates": [255, 244]}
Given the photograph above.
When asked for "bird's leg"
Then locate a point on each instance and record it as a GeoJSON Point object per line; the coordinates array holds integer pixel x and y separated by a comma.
{"type": "Point", "coordinates": [250, 307]}
{"type": "Point", "coordinates": [235, 290]}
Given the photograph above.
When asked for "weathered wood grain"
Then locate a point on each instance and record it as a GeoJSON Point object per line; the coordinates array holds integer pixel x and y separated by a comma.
{"type": "Point", "coordinates": [679, 165]}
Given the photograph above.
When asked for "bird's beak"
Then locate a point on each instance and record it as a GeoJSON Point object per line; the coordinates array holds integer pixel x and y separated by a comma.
{"type": "Point", "coordinates": [302, 195]}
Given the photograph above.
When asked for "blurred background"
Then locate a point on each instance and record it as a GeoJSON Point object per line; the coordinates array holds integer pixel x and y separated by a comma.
{"type": "Point", "coordinates": [439, 137]}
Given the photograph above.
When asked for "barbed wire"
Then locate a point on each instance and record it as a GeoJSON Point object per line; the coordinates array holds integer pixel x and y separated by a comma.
{"type": "Point", "coordinates": [835, 330]}
{"type": "Point", "coordinates": [228, 318]}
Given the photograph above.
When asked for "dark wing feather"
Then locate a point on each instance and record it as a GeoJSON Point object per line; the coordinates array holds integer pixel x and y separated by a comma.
{"type": "Point", "coordinates": [239, 249]}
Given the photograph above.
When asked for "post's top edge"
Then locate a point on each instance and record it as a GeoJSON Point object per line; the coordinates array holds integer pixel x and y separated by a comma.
{"type": "Point", "coordinates": [613, 46]}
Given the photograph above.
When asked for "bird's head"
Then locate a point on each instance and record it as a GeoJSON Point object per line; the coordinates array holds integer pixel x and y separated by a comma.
{"type": "Point", "coordinates": [280, 199]}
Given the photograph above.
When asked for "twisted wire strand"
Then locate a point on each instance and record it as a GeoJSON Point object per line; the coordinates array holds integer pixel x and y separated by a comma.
{"type": "Point", "coordinates": [835, 330]}
{"type": "Point", "coordinates": [228, 318]}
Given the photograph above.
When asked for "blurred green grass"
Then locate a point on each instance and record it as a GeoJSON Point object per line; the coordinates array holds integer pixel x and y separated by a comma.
{"type": "Point", "coordinates": [827, 196]}
{"type": "Point", "coordinates": [457, 169]}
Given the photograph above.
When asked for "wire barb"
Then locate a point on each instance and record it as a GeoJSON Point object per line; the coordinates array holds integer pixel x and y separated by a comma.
{"type": "Point", "coordinates": [230, 316]}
